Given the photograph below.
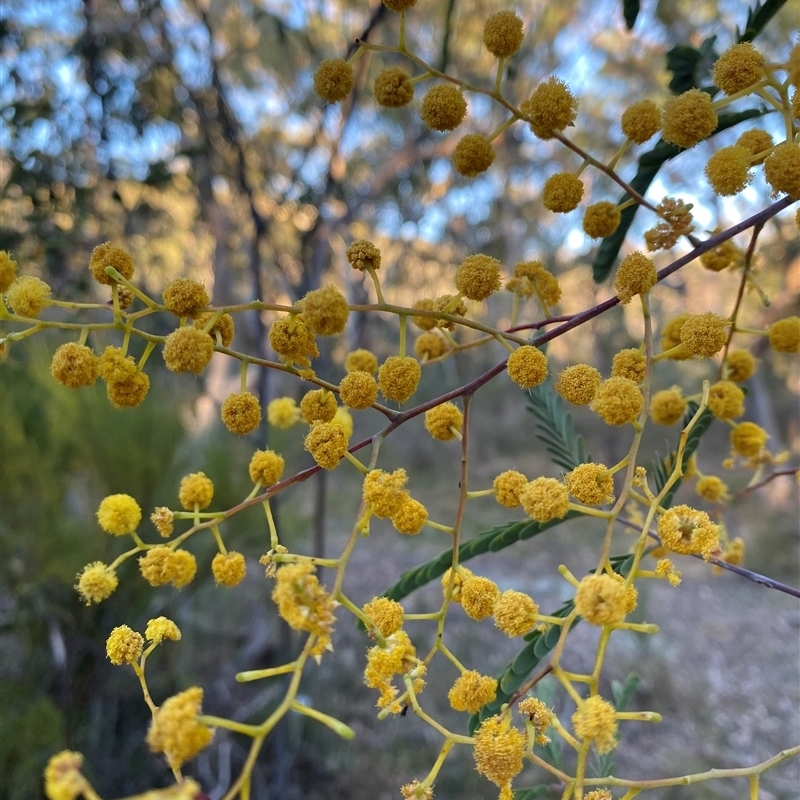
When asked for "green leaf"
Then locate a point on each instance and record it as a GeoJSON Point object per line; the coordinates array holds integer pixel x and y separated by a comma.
{"type": "Point", "coordinates": [630, 10]}
{"type": "Point", "coordinates": [649, 165]}
{"type": "Point", "coordinates": [758, 17]}
{"type": "Point", "coordinates": [623, 691]}
{"type": "Point", "coordinates": [690, 67]}
{"type": "Point", "coordinates": [662, 467]}
{"type": "Point", "coordinates": [554, 427]}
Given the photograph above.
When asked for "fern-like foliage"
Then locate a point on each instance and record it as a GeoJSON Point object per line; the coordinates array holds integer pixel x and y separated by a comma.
{"type": "Point", "coordinates": [554, 427]}
{"type": "Point", "coordinates": [758, 17]}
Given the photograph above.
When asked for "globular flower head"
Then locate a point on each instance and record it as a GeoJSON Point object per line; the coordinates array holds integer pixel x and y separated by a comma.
{"type": "Point", "coordinates": [687, 531]}
{"type": "Point", "coordinates": [641, 121]}
{"type": "Point", "coordinates": [591, 484]}
{"type": "Point", "coordinates": [115, 366]}
{"type": "Point", "coordinates": [442, 302]}
{"type": "Point", "coordinates": [385, 492]}
{"type": "Point", "coordinates": [416, 791]}
{"type": "Point", "coordinates": [188, 350]}
{"type": "Point", "coordinates": [498, 750]}
{"type": "Point", "coordinates": [266, 467]}
{"type": "Point", "coordinates": [162, 628]}
{"type": "Point", "coordinates": [748, 439]}
{"type": "Point", "coordinates": [472, 691]}
{"type": "Point", "coordinates": [386, 614]}
{"type": "Point", "coordinates": [344, 420]}
{"type": "Point", "coordinates": [527, 366]}
{"type": "Point", "coordinates": [782, 169]}
{"type": "Point", "coordinates": [110, 255]}
{"type": "Point", "coordinates": [636, 274]}
{"type": "Point", "coordinates": [724, 255]}
{"type": "Point", "coordinates": [671, 337]}
{"type": "Point", "coordinates": [294, 340]}
{"type": "Point", "coordinates": [96, 582]}
{"type": "Point", "coordinates": [75, 365]}
{"type": "Point", "coordinates": [398, 377]}
{"type": "Point", "coordinates": [667, 406]}
{"type": "Point", "coordinates": [325, 310]}
{"type": "Point", "coordinates": [393, 88]}
{"type": "Point", "coordinates": [562, 192]}
{"type": "Point", "coordinates": [156, 565]}
{"type": "Point", "coordinates": [602, 600]}
{"type": "Point", "coordinates": [728, 170]}
{"type": "Point", "coordinates": [534, 278]}
{"type": "Point", "coordinates": [282, 412]}
{"type": "Point", "coordinates": [358, 389]}
{"type": "Point", "coordinates": [130, 392]}
{"type": "Point", "coordinates": [424, 323]}
{"type": "Point", "coordinates": [444, 421]}
{"type": "Point", "coordinates": [241, 413]}
{"type": "Point", "coordinates": [629, 363]}
{"type": "Point", "coordinates": [478, 277]}
{"type": "Point", "coordinates": [538, 714]}
{"type": "Point", "coordinates": [738, 68]}
{"type": "Point", "coordinates": [478, 596]}
{"type": "Point", "coordinates": [361, 360]}
{"type": "Point", "coordinates": [462, 574]}
{"type": "Point", "coordinates": [410, 517]}
{"type": "Point", "coordinates": [740, 365]}
{"type": "Point", "coordinates": [515, 613]}
{"type": "Point", "coordinates": [503, 34]}
{"type": "Point", "coordinates": [28, 296]}
{"type": "Point", "coordinates": [755, 141]}
{"type": "Point", "coordinates": [183, 568]}
{"type": "Point", "coordinates": [601, 219]}
{"type": "Point", "coordinates": [318, 405]}
{"type": "Point", "coordinates": [595, 721]}
{"type": "Point", "coordinates": [327, 442]}
{"type": "Point", "coordinates": [704, 335]}
{"type": "Point", "coordinates": [551, 108]}
{"type": "Point", "coordinates": [196, 491]}
{"type": "Point", "coordinates": [711, 488]}
{"type": "Point", "coordinates": [185, 297]}
{"type": "Point", "coordinates": [224, 326]}
{"type": "Point", "coordinates": [62, 776]}
{"type": "Point", "coordinates": [175, 730]}
{"type": "Point", "coordinates": [397, 657]}
{"type": "Point", "coordinates": [688, 118]}
{"type": "Point", "coordinates": [334, 80]}
{"type": "Point", "coordinates": [443, 107]}
{"type": "Point", "coordinates": [430, 345]}
{"type": "Point", "coordinates": [362, 254]}
{"type": "Point", "coordinates": [124, 645]}
{"type": "Point", "coordinates": [228, 569]}
{"type": "Point", "coordinates": [472, 155]}
{"type": "Point", "coordinates": [119, 514]}
{"type": "Point", "coordinates": [784, 335]}
{"type": "Point", "coordinates": [726, 400]}
{"type": "Point", "coordinates": [507, 487]}
{"type": "Point", "coordinates": [545, 499]}
{"type": "Point", "coordinates": [617, 401]}
{"type": "Point", "coordinates": [8, 270]}
{"type": "Point", "coordinates": [578, 384]}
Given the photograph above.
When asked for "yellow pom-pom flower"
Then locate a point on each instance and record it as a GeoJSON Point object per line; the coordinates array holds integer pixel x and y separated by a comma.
{"type": "Point", "coordinates": [393, 88]}
{"type": "Point", "coordinates": [478, 277]}
{"type": "Point", "coordinates": [738, 68]}
{"type": "Point", "coordinates": [410, 517]}
{"type": "Point", "coordinates": [266, 467]}
{"type": "Point", "coordinates": [444, 422]}
{"type": "Point", "coordinates": [325, 310]}
{"type": "Point", "coordinates": [119, 514]}
{"type": "Point", "coordinates": [175, 731]}
{"type": "Point", "coordinates": [740, 365]}
{"type": "Point", "coordinates": [8, 270]}
{"type": "Point", "coordinates": [424, 323]}
{"type": "Point", "coordinates": [318, 405]}
{"type": "Point", "coordinates": [688, 118]}
{"type": "Point", "coordinates": [110, 255]}
{"type": "Point", "coordinates": [188, 350]}
{"type": "Point", "coordinates": [75, 365]}
{"type": "Point", "coordinates": [196, 491]}
{"type": "Point", "coordinates": [124, 645]}
{"type": "Point", "coordinates": [591, 484]}
{"type": "Point", "coordinates": [629, 363]}
{"type": "Point", "coordinates": [28, 296]}
{"type": "Point", "coordinates": [748, 439]}
{"type": "Point", "coordinates": [327, 442]}
{"type": "Point", "coordinates": [398, 377]}
{"type": "Point", "coordinates": [62, 776]}
{"type": "Point", "coordinates": [636, 274]}
{"type": "Point", "coordinates": [498, 750]}
{"type": "Point", "coordinates": [344, 420]}
{"type": "Point", "coordinates": [755, 141]}
{"type": "Point", "coordinates": [618, 401]}
{"type": "Point", "coordinates": [671, 337]}
{"type": "Point", "coordinates": [602, 600]}
{"type": "Point", "coordinates": [687, 531]}
{"type": "Point", "coordinates": [726, 400]}
{"type": "Point", "coordinates": [362, 254]}
{"type": "Point", "coordinates": [478, 596]}
{"type": "Point", "coordinates": [728, 170]}
{"type": "Point", "coordinates": [291, 338]}
{"type": "Point", "coordinates": [472, 155]}
{"type": "Point", "coordinates": [578, 384]}
{"type": "Point", "coordinates": [387, 614]}
{"type": "Point", "coordinates": [551, 108]}
{"type": "Point", "coordinates": [96, 582]}
{"type": "Point", "coordinates": [507, 487]}
{"type": "Point", "coordinates": [385, 492]}
{"type": "Point", "coordinates": [595, 720]}
{"type": "Point", "coordinates": [782, 169]}
{"type": "Point", "coordinates": [161, 628]}
{"type": "Point", "coordinates": [282, 412]}
{"type": "Point", "coordinates": [712, 488]}
{"type": "Point", "coordinates": [527, 366]}
{"type": "Point", "coordinates": [362, 360]}
{"type": "Point", "coordinates": [462, 574]}
{"type": "Point", "coordinates": [472, 691]}
{"type": "Point", "coordinates": [515, 613]}
{"type": "Point", "coordinates": [430, 345]}
{"type": "Point", "coordinates": [784, 335]}
{"type": "Point", "coordinates": [185, 297]}
{"type": "Point", "coordinates": [503, 34]}
{"type": "Point", "coordinates": [130, 392]}
{"type": "Point", "coordinates": [667, 406]}
{"type": "Point", "coordinates": [601, 219]}
{"type": "Point", "coordinates": [164, 520]}
{"type": "Point", "coordinates": [334, 80]}
{"type": "Point", "coordinates": [224, 326]}
{"type": "Point", "coordinates": [562, 192]}
{"type": "Point", "coordinates": [358, 390]}
{"type": "Point", "coordinates": [704, 335]}
{"type": "Point", "coordinates": [228, 569]}
{"type": "Point", "coordinates": [545, 499]}
{"type": "Point", "coordinates": [241, 413]}
{"type": "Point", "coordinates": [641, 121]}
{"type": "Point", "coordinates": [443, 107]}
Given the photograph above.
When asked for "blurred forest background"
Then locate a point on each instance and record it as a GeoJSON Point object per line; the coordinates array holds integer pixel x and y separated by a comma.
{"type": "Point", "coordinates": [188, 131]}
